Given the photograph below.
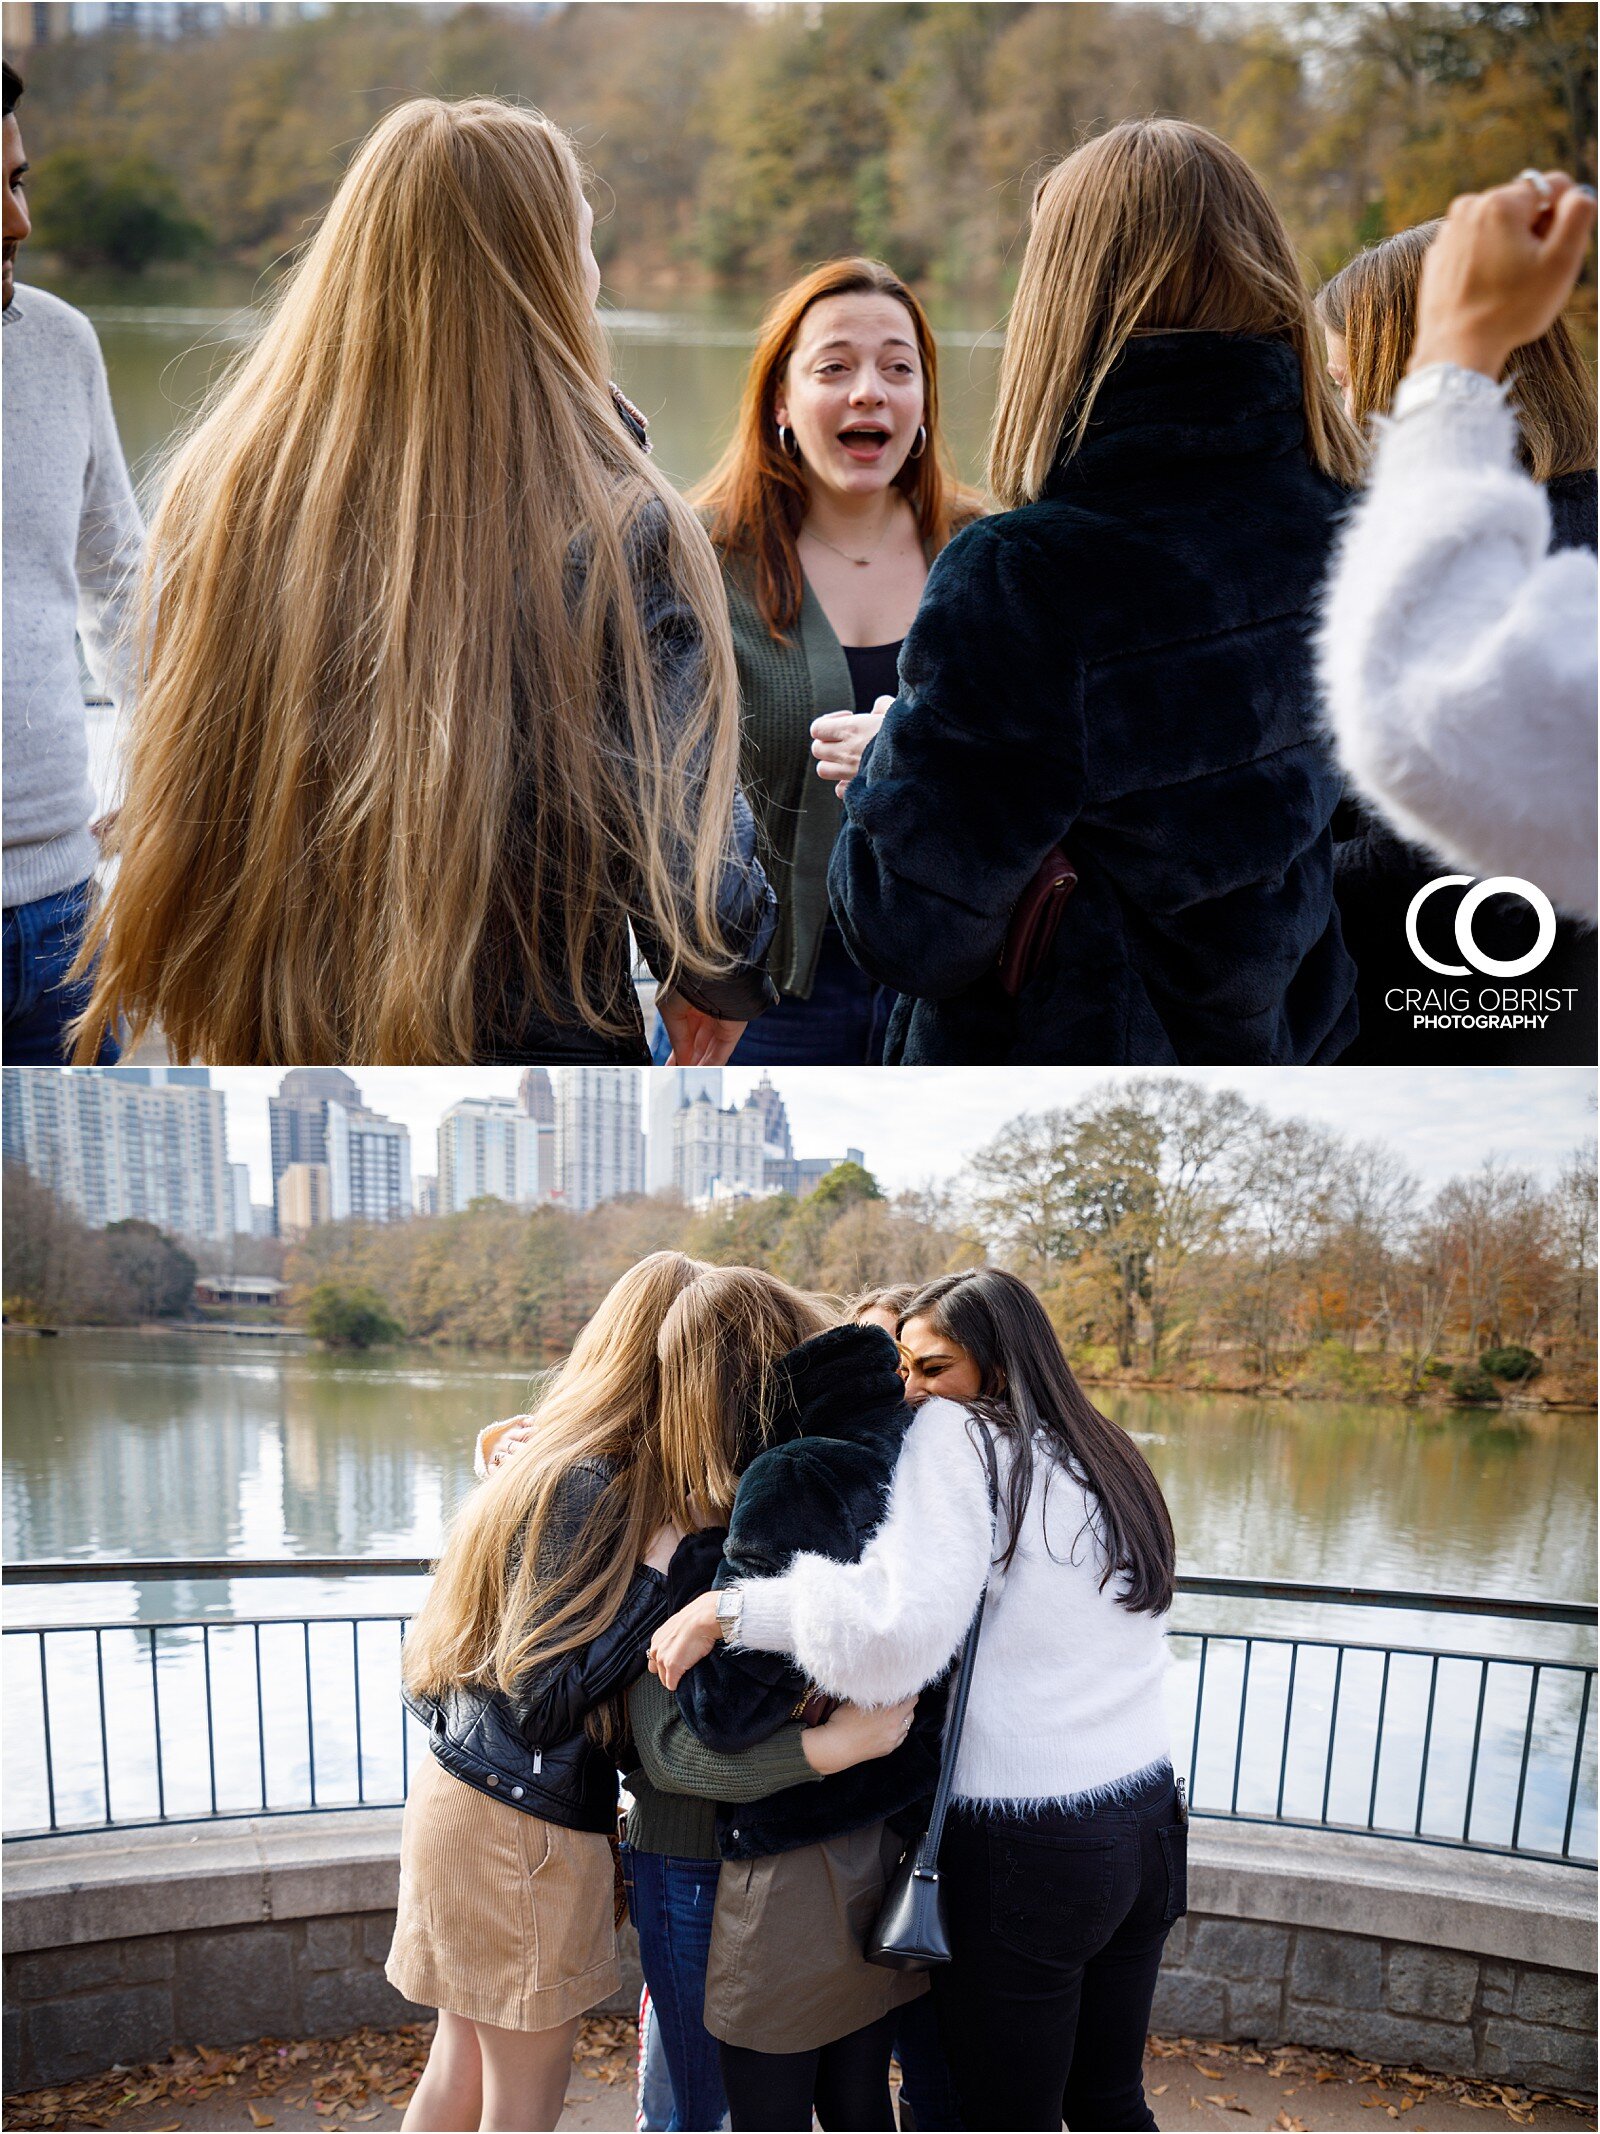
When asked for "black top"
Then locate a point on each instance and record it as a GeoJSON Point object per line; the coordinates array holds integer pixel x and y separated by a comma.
{"type": "Point", "coordinates": [874, 671]}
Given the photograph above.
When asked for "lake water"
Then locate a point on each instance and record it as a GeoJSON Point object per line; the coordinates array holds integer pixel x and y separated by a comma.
{"type": "Point", "coordinates": [128, 1445]}
{"type": "Point", "coordinates": [166, 337]}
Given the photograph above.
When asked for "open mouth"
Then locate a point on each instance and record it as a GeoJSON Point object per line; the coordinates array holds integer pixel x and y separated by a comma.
{"type": "Point", "coordinates": [864, 440]}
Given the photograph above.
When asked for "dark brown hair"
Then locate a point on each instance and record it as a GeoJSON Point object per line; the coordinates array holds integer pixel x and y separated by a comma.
{"type": "Point", "coordinates": [754, 498]}
{"type": "Point", "coordinates": [1028, 1391]}
{"type": "Point", "coordinates": [1372, 304]}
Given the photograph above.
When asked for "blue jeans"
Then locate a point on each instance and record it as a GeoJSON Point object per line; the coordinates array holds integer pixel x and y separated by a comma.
{"type": "Point", "coordinates": [671, 1903]}
{"type": "Point", "coordinates": [843, 1024]}
{"type": "Point", "coordinates": [41, 940]}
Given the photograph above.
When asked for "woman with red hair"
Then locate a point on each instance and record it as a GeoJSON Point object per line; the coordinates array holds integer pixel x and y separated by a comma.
{"type": "Point", "coordinates": [826, 510]}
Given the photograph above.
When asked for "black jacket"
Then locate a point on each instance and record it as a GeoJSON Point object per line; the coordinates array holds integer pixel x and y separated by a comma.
{"type": "Point", "coordinates": [838, 1418]}
{"type": "Point", "coordinates": [1376, 876]}
{"type": "Point", "coordinates": [531, 1750]}
{"type": "Point", "coordinates": [514, 1029]}
{"type": "Point", "coordinates": [1123, 668]}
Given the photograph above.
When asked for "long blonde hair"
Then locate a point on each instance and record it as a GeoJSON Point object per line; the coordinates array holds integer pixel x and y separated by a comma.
{"type": "Point", "coordinates": [488, 1617]}
{"type": "Point", "coordinates": [399, 749]}
{"type": "Point", "coordinates": [720, 1343]}
{"type": "Point", "coordinates": [1155, 226]}
{"type": "Point", "coordinates": [1372, 303]}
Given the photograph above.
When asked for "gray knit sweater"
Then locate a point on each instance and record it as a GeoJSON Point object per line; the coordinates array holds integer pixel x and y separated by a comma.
{"type": "Point", "coordinates": [72, 543]}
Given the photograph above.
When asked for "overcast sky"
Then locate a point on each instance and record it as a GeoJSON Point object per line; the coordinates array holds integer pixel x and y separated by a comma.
{"type": "Point", "coordinates": [917, 1123]}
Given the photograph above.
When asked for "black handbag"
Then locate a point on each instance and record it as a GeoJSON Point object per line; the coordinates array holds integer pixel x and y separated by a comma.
{"type": "Point", "coordinates": [909, 1932]}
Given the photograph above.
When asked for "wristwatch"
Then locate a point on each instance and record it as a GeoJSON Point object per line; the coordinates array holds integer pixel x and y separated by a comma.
{"type": "Point", "coordinates": [730, 1607]}
{"type": "Point", "coordinates": [1443, 381]}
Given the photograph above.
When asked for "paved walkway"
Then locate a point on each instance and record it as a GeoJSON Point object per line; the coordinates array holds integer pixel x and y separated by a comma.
{"type": "Point", "coordinates": [365, 2081]}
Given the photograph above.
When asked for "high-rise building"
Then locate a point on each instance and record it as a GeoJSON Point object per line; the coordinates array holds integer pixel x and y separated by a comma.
{"type": "Point", "coordinates": [719, 1155]}
{"type": "Point", "coordinates": [239, 1174]}
{"type": "Point", "coordinates": [599, 1149]}
{"type": "Point", "coordinates": [487, 1146]}
{"type": "Point", "coordinates": [369, 1166]}
{"type": "Point", "coordinates": [672, 1090]}
{"type": "Point", "coordinates": [426, 1188]}
{"type": "Point", "coordinates": [536, 1095]}
{"type": "Point", "coordinates": [775, 1119]}
{"type": "Point", "coordinates": [318, 1117]}
{"type": "Point", "coordinates": [298, 1116]}
{"type": "Point", "coordinates": [303, 1199]}
{"type": "Point", "coordinates": [116, 1143]}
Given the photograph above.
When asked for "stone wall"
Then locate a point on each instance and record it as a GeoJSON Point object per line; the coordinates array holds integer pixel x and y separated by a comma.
{"type": "Point", "coordinates": [120, 1945]}
{"type": "Point", "coordinates": [1445, 2009]}
{"type": "Point", "coordinates": [74, 2011]}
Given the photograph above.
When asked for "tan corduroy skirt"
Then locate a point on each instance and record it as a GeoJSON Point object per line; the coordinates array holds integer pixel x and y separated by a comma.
{"type": "Point", "coordinates": [787, 1971]}
{"type": "Point", "coordinates": [503, 1918]}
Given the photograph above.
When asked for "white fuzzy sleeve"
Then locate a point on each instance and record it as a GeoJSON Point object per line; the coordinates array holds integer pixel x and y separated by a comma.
{"type": "Point", "coordinates": [1458, 657]}
{"type": "Point", "coordinates": [885, 1626]}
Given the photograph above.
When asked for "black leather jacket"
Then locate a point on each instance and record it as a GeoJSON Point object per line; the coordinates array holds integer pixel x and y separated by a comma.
{"type": "Point", "coordinates": [531, 1749]}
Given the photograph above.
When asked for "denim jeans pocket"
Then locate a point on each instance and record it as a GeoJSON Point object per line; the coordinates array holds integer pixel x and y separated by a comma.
{"type": "Point", "coordinates": [1049, 1897]}
{"type": "Point", "coordinates": [1175, 1852]}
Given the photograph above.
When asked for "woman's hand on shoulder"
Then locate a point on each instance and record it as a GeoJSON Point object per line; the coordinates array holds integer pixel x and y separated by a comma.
{"type": "Point", "coordinates": [857, 1734]}
{"type": "Point", "coordinates": [684, 1639]}
{"type": "Point", "coordinates": [500, 1440]}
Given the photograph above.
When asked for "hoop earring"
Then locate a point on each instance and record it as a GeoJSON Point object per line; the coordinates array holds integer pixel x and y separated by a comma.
{"type": "Point", "coordinates": [921, 444]}
{"type": "Point", "coordinates": [786, 443]}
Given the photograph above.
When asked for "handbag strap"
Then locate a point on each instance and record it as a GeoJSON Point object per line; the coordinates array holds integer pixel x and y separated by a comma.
{"type": "Point", "coordinates": [933, 1836]}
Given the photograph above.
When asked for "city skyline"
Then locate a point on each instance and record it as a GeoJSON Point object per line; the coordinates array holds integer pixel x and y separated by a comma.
{"type": "Point", "coordinates": [914, 1127]}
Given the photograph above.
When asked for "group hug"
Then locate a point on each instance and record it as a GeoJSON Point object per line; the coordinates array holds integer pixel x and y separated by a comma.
{"type": "Point", "coordinates": [442, 700]}
{"type": "Point", "coordinates": [866, 1610]}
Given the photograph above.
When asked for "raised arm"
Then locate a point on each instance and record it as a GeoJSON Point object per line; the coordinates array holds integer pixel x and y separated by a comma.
{"type": "Point", "coordinates": [1458, 660]}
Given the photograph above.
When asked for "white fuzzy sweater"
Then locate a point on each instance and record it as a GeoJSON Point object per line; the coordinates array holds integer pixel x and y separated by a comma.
{"type": "Point", "coordinates": [1458, 657]}
{"type": "Point", "coordinates": [1067, 1692]}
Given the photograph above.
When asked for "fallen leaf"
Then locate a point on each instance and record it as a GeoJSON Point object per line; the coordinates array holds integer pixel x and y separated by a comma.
{"type": "Point", "coordinates": [1212, 2074]}
{"type": "Point", "coordinates": [1227, 2102]}
{"type": "Point", "coordinates": [1160, 2090]}
{"type": "Point", "coordinates": [1289, 2123]}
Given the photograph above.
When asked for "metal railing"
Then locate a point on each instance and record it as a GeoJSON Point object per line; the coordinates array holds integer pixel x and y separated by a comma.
{"type": "Point", "coordinates": [190, 1720]}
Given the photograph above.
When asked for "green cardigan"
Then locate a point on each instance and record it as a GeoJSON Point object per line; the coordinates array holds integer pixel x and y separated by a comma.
{"type": "Point", "coordinates": [783, 685]}
{"type": "Point", "coordinates": [679, 1781]}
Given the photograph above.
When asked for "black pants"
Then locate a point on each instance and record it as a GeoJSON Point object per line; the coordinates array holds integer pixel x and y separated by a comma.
{"type": "Point", "coordinates": [1057, 1923]}
{"type": "Point", "coordinates": [846, 2083]}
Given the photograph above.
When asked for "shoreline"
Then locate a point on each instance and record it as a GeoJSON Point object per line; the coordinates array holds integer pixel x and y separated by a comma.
{"type": "Point", "coordinates": [1434, 1399]}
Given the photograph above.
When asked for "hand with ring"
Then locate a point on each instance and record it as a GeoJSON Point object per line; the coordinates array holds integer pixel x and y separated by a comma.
{"type": "Point", "coordinates": [1496, 276]}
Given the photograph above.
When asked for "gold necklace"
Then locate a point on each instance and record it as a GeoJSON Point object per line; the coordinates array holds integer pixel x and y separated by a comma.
{"type": "Point", "coordinates": [860, 562]}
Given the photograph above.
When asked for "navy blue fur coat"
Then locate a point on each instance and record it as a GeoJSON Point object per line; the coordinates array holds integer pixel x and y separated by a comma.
{"type": "Point", "coordinates": [837, 1418]}
{"type": "Point", "coordinates": [1123, 668]}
